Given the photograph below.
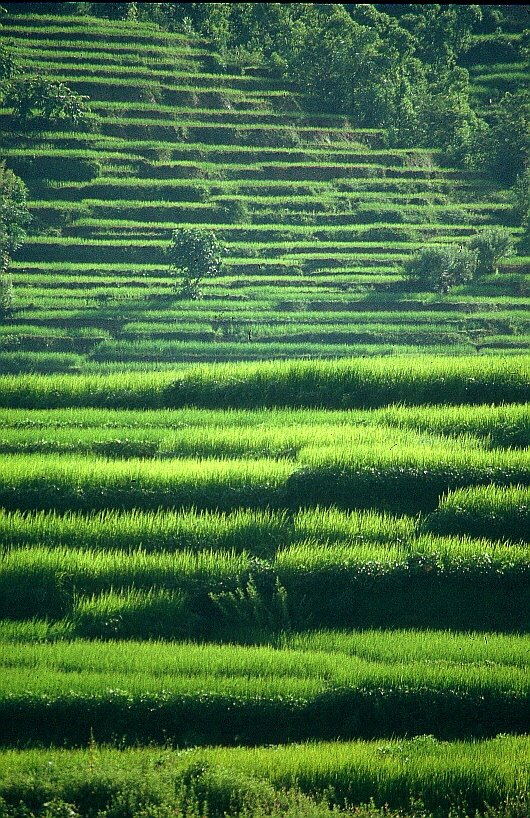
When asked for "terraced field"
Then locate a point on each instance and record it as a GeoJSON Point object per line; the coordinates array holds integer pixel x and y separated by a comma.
{"type": "Point", "coordinates": [255, 587]}
{"type": "Point", "coordinates": [261, 554]}
{"type": "Point", "coordinates": [497, 64]}
{"type": "Point", "coordinates": [317, 217]}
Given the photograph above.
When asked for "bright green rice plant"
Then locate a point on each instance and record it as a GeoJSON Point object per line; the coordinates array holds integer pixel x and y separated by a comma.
{"type": "Point", "coordinates": [497, 512]}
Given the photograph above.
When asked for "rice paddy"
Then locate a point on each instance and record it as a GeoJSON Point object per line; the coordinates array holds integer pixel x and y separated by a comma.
{"type": "Point", "coordinates": [266, 552]}
{"type": "Point", "coordinates": [289, 190]}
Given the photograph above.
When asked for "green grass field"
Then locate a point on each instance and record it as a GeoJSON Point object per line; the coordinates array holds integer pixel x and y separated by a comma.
{"type": "Point", "coordinates": [264, 553]}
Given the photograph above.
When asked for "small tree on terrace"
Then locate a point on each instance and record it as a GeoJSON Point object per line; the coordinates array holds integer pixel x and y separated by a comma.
{"type": "Point", "coordinates": [194, 255]}
{"type": "Point", "coordinates": [491, 245]}
{"type": "Point", "coordinates": [44, 102]}
{"type": "Point", "coordinates": [440, 268]}
{"type": "Point", "coordinates": [14, 215]}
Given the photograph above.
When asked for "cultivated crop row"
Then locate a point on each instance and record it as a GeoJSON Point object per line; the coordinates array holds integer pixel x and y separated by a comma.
{"type": "Point", "coordinates": [177, 141]}
{"type": "Point", "coordinates": [412, 775]}
{"type": "Point", "coordinates": [227, 694]}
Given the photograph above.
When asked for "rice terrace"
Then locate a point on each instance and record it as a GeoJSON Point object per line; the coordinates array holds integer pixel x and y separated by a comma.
{"type": "Point", "coordinates": [264, 418]}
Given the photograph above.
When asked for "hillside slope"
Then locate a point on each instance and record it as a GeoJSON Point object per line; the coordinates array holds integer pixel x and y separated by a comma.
{"type": "Point", "coordinates": [317, 217]}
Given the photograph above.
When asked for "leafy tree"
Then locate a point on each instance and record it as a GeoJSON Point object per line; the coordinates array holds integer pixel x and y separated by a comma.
{"type": "Point", "coordinates": [521, 197]}
{"type": "Point", "coordinates": [440, 268]}
{"type": "Point", "coordinates": [335, 59]}
{"type": "Point", "coordinates": [8, 65]}
{"type": "Point", "coordinates": [441, 31]}
{"type": "Point", "coordinates": [44, 100]}
{"type": "Point", "coordinates": [505, 144]}
{"type": "Point", "coordinates": [445, 117]}
{"type": "Point", "coordinates": [7, 296]}
{"type": "Point", "coordinates": [491, 245]}
{"type": "Point", "coordinates": [521, 207]}
{"type": "Point", "coordinates": [194, 255]}
{"type": "Point", "coordinates": [14, 215]}
{"type": "Point", "coordinates": [115, 11]}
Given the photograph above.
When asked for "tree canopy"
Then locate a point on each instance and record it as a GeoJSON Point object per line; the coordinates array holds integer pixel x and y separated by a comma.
{"type": "Point", "coordinates": [194, 255]}
{"type": "Point", "coordinates": [14, 215]}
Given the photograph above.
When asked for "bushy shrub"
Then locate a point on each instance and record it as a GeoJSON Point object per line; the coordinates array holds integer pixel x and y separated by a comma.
{"type": "Point", "coordinates": [490, 246]}
{"type": "Point", "coordinates": [440, 268]}
{"type": "Point", "coordinates": [14, 215]}
{"type": "Point", "coordinates": [234, 212]}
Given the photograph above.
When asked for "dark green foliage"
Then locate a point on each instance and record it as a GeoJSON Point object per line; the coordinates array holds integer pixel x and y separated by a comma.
{"type": "Point", "coordinates": [261, 605]}
{"type": "Point", "coordinates": [441, 32]}
{"type": "Point", "coordinates": [7, 295]}
{"type": "Point", "coordinates": [504, 146]}
{"type": "Point", "coordinates": [51, 8]}
{"type": "Point", "coordinates": [115, 11]}
{"type": "Point", "coordinates": [334, 57]}
{"type": "Point", "coordinates": [499, 47]}
{"type": "Point", "coordinates": [194, 255]}
{"type": "Point", "coordinates": [445, 117]}
{"type": "Point", "coordinates": [440, 268]}
{"type": "Point", "coordinates": [521, 198]}
{"type": "Point", "coordinates": [491, 245]}
{"type": "Point", "coordinates": [234, 212]}
{"type": "Point", "coordinates": [33, 170]}
{"type": "Point", "coordinates": [399, 74]}
{"type": "Point", "coordinates": [8, 65]}
{"type": "Point", "coordinates": [14, 215]}
{"type": "Point", "coordinates": [43, 102]}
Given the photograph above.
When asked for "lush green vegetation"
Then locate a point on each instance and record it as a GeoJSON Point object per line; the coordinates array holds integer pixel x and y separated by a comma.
{"type": "Point", "coordinates": [232, 583]}
{"type": "Point", "coordinates": [247, 695]}
{"type": "Point", "coordinates": [196, 125]}
{"type": "Point", "coordinates": [332, 385]}
{"type": "Point", "coordinates": [297, 780]}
